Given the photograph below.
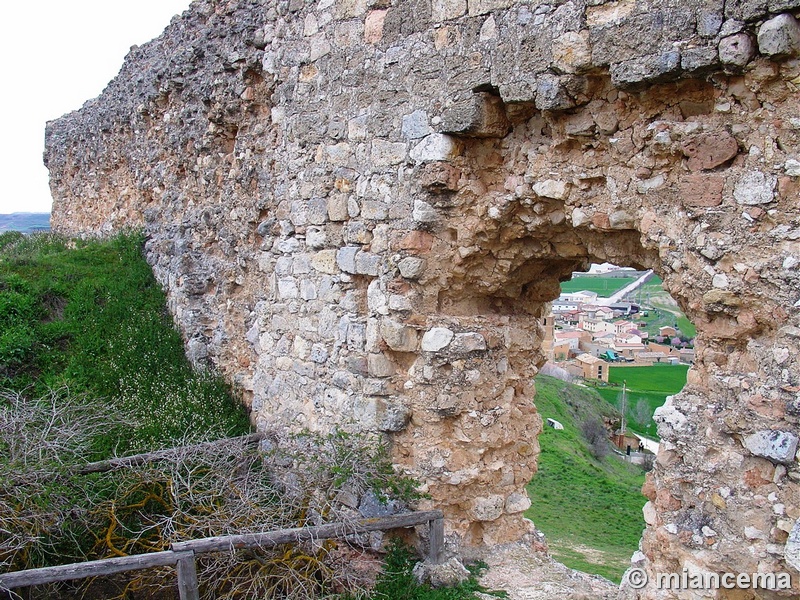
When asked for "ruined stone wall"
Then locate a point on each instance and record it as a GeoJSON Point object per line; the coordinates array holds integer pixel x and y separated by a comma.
{"type": "Point", "coordinates": [359, 209]}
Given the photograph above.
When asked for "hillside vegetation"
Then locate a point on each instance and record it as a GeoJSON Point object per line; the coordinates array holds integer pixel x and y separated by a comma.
{"type": "Point", "coordinates": [91, 366]}
{"type": "Point", "coordinates": [590, 509]}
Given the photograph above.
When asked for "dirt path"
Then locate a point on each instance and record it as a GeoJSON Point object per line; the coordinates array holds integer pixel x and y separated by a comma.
{"type": "Point", "coordinates": [527, 575]}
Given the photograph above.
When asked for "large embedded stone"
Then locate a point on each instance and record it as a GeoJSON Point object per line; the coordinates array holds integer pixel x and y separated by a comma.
{"type": "Point", "coordinates": [709, 150]}
{"type": "Point", "coordinates": [755, 188]}
{"type": "Point", "coordinates": [398, 336]}
{"type": "Point", "coordinates": [437, 339]}
{"type": "Point", "coordinates": [780, 36]}
{"type": "Point", "coordinates": [346, 258]}
{"type": "Point", "coordinates": [647, 69]}
{"type": "Point", "coordinates": [488, 508]}
{"type": "Point", "coordinates": [482, 115]}
{"type": "Point", "coordinates": [736, 50]}
{"type": "Point", "coordinates": [435, 146]}
{"type": "Point", "coordinates": [439, 177]}
{"type": "Point", "coordinates": [572, 52]}
{"type": "Point", "coordinates": [777, 446]}
{"type": "Point", "coordinates": [701, 190]}
{"type": "Point", "coordinates": [550, 188]}
{"type": "Point", "coordinates": [464, 343]}
{"type": "Point", "coordinates": [411, 267]}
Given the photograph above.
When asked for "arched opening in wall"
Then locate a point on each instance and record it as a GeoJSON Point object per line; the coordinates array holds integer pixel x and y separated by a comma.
{"type": "Point", "coordinates": [617, 345]}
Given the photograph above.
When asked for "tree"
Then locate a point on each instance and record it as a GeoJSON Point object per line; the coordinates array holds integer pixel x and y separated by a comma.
{"type": "Point", "coordinates": [596, 434]}
{"type": "Point", "coordinates": [642, 413]}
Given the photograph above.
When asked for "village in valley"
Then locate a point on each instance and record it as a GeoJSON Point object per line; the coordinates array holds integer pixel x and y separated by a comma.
{"type": "Point", "coordinates": [615, 329]}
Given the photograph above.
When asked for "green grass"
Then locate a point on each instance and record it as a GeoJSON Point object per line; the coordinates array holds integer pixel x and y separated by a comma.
{"type": "Point", "coordinates": [650, 385]}
{"type": "Point", "coordinates": [396, 581]}
{"type": "Point", "coordinates": [90, 316]}
{"type": "Point", "coordinates": [589, 509]}
{"type": "Point", "coordinates": [603, 285]}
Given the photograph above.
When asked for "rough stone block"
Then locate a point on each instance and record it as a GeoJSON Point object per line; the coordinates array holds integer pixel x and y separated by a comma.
{"type": "Point", "coordinates": [444, 10]}
{"type": "Point", "coordinates": [415, 125]}
{"type": "Point", "coordinates": [709, 150]}
{"type": "Point", "coordinates": [755, 188]}
{"type": "Point", "coordinates": [791, 551]}
{"type": "Point", "coordinates": [347, 9]}
{"type": "Point", "coordinates": [464, 343]}
{"type": "Point", "coordinates": [367, 263]}
{"type": "Point", "coordinates": [346, 258]}
{"type": "Point", "coordinates": [572, 52]}
{"type": "Point", "coordinates": [517, 503]}
{"type": "Point", "coordinates": [411, 267]}
{"type": "Point", "coordinates": [550, 188]}
{"type": "Point", "coordinates": [437, 339]}
{"type": "Point", "coordinates": [439, 177]}
{"type": "Point", "coordinates": [446, 575]}
{"type": "Point", "coordinates": [648, 69]}
{"type": "Point", "coordinates": [482, 115]}
{"type": "Point", "coordinates": [701, 190]}
{"type": "Point", "coordinates": [745, 10]}
{"type": "Point", "coordinates": [386, 153]}
{"type": "Point", "coordinates": [780, 36]}
{"type": "Point", "coordinates": [481, 7]}
{"type": "Point", "coordinates": [435, 147]}
{"type": "Point", "coordinates": [398, 337]}
{"type": "Point", "coordinates": [736, 50]}
{"type": "Point", "coordinates": [317, 211]}
{"type": "Point", "coordinates": [316, 237]}
{"type": "Point", "coordinates": [777, 446]}
{"type": "Point", "coordinates": [326, 262]}
{"type": "Point", "coordinates": [699, 60]}
{"type": "Point", "coordinates": [424, 212]}
{"type": "Point", "coordinates": [552, 94]}
{"type": "Point", "coordinates": [393, 415]}
{"type": "Point", "coordinates": [488, 508]}
{"type": "Point", "coordinates": [373, 26]}
{"type": "Point", "coordinates": [379, 365]}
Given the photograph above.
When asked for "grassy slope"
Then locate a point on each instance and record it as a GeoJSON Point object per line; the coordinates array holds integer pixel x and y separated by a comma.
{"type": "Point", "coordinates": [94, 319]}
{"type": "Point", "coordinates": [651, 384]}
{"type": "Point", "coordinates": [590, 510]}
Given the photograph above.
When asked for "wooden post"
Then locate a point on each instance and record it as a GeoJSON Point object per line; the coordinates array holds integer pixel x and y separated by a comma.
{"type": "Point", "coordinates": [188, 587]}
{"type": "Point", "coordinates": [436, 540]}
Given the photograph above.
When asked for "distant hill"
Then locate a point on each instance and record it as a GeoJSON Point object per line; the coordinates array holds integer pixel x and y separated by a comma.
{"type": "Point", "coordinates": [25, 222]}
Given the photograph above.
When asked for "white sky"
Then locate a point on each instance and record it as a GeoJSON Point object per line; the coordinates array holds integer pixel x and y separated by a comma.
{"type": "Point", "coordinates": [54, 56]}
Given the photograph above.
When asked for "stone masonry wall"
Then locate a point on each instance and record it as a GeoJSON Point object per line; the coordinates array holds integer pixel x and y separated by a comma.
{"type": "Point", "coordinates": [360, 208]}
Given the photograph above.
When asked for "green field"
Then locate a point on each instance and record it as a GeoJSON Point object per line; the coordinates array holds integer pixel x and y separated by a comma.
{"type": "Point", "coordinates": [601, 284]}
{"type": "Point", "coordinates": [666, 310]}
{"type": "Point", "coordinates": [651, 385]}
{"type": "Point", "coordinates": [589, 509]}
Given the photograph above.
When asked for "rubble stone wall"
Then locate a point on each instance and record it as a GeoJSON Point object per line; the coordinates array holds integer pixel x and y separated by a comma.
{"type": "Point", "coordinates": [360, 208]}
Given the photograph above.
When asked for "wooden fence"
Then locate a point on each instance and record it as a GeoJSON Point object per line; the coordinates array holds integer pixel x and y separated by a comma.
{"type": "Point", "coordinates": [182, 554]}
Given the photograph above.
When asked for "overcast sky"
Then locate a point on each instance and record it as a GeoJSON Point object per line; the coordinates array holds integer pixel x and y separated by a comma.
{"type": "Point", "coordinates": [55, 55]}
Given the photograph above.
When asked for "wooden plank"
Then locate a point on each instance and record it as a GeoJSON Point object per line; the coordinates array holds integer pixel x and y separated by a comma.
{"type": "Point", "coordinates": [182, 553]}
{"type": "Point", "coordinates": [158, 455]}
{"type": "Point", "coordinates": [321, 532]}
{"type": "Point", "coordinates": [188, 587]}
{"type": "Point", "coordinates": [95, 568]}
{"type": "Point", "coordinates": [436, 541]}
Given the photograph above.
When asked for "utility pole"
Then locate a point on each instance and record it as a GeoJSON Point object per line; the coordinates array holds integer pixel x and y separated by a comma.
{"type": "Point", "coordinates": [624, 402]}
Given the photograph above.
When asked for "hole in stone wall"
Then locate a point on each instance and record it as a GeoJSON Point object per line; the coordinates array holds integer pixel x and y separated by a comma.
{"type": "Point", "coordinates": [617, 345]}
